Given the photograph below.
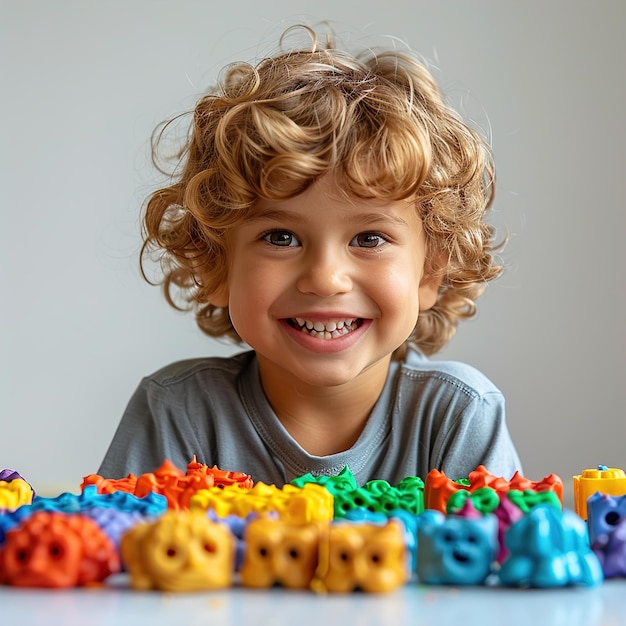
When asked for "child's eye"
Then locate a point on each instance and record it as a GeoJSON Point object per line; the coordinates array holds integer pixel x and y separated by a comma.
{"type": "Point", "coordinates": [368, 240]}
{"type": "Point", "coordinates": [282, 238]}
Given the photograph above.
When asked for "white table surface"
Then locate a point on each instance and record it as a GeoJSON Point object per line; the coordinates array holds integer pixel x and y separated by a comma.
{"type": "Point", "coordinates": [115, 603]}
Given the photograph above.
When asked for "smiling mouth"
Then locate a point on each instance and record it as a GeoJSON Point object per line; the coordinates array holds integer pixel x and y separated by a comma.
{"type": "Point", "coordinates": [460, 557]}
{"type": "Point", "coordinates": [325, 330]}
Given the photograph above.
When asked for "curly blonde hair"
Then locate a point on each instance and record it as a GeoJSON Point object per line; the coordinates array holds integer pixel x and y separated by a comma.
{"type": "Point", "coordinates": [377, 120]}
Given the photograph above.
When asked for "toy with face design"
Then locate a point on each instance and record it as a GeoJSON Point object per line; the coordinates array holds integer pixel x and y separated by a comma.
{"type": "Point", "coordinates": [279, 553]}
{"type": "Point", "coordinates": [366, 557]}
{"type": "Point", "coordinates": [604, 513]}
{"type": "Point", "coordinates": [180, 551]}
{"type": "Point", "coordinates": [51, 549]}
{"type": "Point", "coordinates": [455, 550]}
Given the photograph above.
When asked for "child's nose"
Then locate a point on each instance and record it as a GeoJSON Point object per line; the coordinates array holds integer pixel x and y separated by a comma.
{"type": "Point", "coordinates": [324, 275]}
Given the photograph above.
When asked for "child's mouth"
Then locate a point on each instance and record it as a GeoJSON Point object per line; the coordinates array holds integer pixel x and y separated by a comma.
{"type": "Point", "coordinates": [331, 329]}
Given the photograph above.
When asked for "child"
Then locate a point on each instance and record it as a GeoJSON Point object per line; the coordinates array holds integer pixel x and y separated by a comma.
{"type": "Point", "coordinates": [329, 213]}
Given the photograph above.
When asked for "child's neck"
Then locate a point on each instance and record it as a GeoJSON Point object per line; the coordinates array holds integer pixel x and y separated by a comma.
{"type": "Point", "coordinates": [325, 420]}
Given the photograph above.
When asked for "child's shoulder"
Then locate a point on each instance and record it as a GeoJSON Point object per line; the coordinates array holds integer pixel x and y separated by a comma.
{"type": "Point", "coordinates": [450, 372]}
{"type": "Point", "coordinates": [189, 369]}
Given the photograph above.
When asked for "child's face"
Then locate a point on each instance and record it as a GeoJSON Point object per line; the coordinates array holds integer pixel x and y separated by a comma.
{"type": "Point", "coordinates": [351, 268]}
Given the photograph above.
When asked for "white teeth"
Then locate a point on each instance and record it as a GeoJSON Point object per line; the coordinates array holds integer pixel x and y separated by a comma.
{"type": "Point", "coordinates": [328, 330]}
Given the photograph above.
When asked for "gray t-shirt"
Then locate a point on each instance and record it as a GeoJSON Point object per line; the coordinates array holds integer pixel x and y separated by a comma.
{"type": "Point", "coordinates": [430, 414]}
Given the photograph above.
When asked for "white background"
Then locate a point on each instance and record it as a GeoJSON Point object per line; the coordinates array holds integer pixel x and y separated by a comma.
{"type": "Point", "coordinates": [84, 83]}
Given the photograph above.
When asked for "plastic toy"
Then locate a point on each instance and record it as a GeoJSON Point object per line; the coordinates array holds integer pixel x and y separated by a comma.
{"type": "Point", "coordinates": [15, 493]}
{"type": "Point", "coordinates": [551, 483]}
{"type": "Point", "coordinates": [51, 549]}
{"type": "Point", "coordinates": [508, 507]}
{"type": "Point", "coordinates": [9, 475]}
{"type": "Point", "coordinates": [110, 485]}
{"type": "Point", "coordinates": [439, 488]}
{"type": "Point", "coordinates": [377, 496]}
{"type": "Point", "coordinates": [308, 503]}
{"type": "Point", "coordinates": [221, 478]}
{"type": "Point", "coordinates": [507, 514]}
{"type": "Point", "coordinates": [115, 522]}
{"type": "Point", "coordinates": [364, 557]}
{"type": "Point", "coordinates": [484, 500]}
{"type": "Point", "coordinates": [153, 504]}
{"type": "Point", "coordinates": [607, 480]}
{"type": "Point", "coordinates": [481, 502]}
{"type": "Point", "coordinates": [549, 548]}
{"type": "Point", "coordinates": [408, 520]}
{"type": "Point", "coordinates": [344, 481]}
{"type": "Point", "coordinates": [606, 523]}
{"type": "Point", "coordinates": [611, 551]}
{"type": "Point", "coordinates": [237, 526]}
{"type": "Point", "coordinates": [174, 484]}
{"type": "Point", "coordinates": [180, 551]}
{"type": "Point", "coordinates": [280, 553]}
{"type": "Point", "coordinates": [170, 481]}
{"type": "Point", "coordinates": [454, 550]}
{"type": "Point", "coordinates": [527, 499]}
{"type": "Point", "coordinates": [604, 513]}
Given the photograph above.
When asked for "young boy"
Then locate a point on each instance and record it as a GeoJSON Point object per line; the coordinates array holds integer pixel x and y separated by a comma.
{"type": "Point", "coordinates": [329, 213]}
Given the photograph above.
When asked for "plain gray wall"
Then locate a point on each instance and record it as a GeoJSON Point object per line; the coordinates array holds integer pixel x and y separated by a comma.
{"type": "Point", "coordinates": [83, 85]}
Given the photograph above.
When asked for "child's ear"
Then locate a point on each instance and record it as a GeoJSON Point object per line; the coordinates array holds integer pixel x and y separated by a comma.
{"type": "Point", "coordinates": [428, 291]}
{"type": "Point", "coordinates": [430, 283]}
{"type": "Point", "coordinates": [220, 296]}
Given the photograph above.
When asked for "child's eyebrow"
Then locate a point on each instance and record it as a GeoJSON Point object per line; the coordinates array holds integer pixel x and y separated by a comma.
{"type": "Point", "coordinates": [275, 215]}
{"type": "Point", "coordinates": [272, 214]}
{"type": "Point", "coordinates": [378, 218]}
